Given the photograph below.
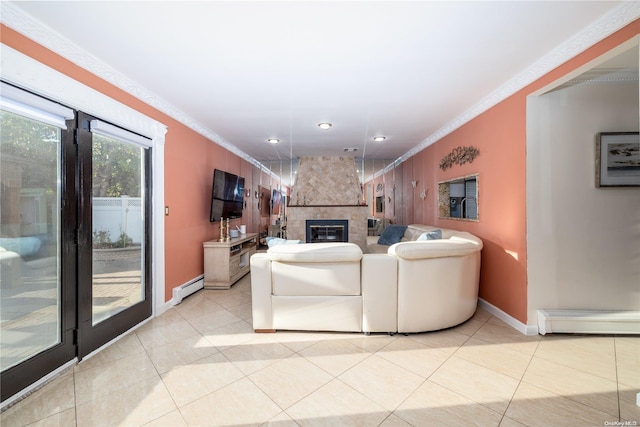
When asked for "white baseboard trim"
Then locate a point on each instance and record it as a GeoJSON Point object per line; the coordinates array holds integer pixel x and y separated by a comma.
{"type": "Point", "coordinates": [183, 291]}
{"type": "Point", "coordinates": [589, 321]}
{"type": "Point", "coordinates": [508, 319]}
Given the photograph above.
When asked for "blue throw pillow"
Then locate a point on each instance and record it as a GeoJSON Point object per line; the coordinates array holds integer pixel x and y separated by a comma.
{"type": "Point", "coordinates": [431, 235]}
{"type": "Point", "coordinates": [392, 234]}
{"type": "Point", "coordinates": [275, 241]}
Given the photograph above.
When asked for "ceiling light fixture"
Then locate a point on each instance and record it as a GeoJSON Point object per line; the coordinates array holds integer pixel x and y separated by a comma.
{"type": "Point", "coordinates": [325, 125]}
{"type": "Point", "coordinates": [379, 138]}
{"type": "Point", "coordinates": [273, 140]}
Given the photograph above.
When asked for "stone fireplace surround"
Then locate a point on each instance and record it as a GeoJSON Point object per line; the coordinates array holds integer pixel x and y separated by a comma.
{"type": "Point", "coordinates": [327, 188]}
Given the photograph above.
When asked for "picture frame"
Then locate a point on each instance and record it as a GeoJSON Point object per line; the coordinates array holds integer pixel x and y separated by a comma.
{"type": "Point", "coordinates": [617, 159]}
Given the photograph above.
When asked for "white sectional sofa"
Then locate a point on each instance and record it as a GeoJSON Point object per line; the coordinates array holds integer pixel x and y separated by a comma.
{"type": "Point", "coordinates": [414, 286]}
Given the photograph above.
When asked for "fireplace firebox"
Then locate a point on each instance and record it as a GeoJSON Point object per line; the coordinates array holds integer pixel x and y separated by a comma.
{"type": "Point", "coordinates": [327, 230]}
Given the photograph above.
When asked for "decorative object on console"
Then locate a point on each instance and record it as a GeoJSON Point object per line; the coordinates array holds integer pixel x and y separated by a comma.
{"type": "Point", "coordinates": [459, 156]}
{"type": "Point", "coordinates": [617, 159]}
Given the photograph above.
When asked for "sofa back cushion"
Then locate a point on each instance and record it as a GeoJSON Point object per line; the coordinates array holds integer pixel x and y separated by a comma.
{"type": "Point", "coordinates": [320, 269]}
{"type": "Point", "coordinates": [315, 278]}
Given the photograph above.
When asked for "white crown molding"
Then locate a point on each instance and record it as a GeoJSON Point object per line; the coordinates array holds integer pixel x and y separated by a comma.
{"type": "Point", "coordinates": [15, 18]}
{"type": "Point", "coordinates": [624, 14]}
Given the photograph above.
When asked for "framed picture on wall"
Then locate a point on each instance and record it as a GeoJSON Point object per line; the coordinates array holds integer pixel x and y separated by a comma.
{"type": "Point", "coordinates": [617, 159]}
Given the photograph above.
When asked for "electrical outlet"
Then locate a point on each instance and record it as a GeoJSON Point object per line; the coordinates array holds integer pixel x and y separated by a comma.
{"type": "Point", "coordinates": [166, 211]}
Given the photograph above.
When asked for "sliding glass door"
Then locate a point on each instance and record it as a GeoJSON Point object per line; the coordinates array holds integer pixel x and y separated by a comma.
{"type": "Point", "coordinates": [37, 251]}
{"type": "Point", "coordinates": [114, 278]}
{"type": "Point", "coordinates": [74, 235]}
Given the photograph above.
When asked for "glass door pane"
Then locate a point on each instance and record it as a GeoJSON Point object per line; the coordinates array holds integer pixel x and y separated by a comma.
{"type": "Point", "coordinates": [30, 238]}
{"type": "Point", "coordinates": [118, 226]}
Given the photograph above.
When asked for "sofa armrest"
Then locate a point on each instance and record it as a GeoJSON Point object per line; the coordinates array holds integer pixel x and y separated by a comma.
{"type": "Point", "coordinates": [379, 293]}
{"type": "Point", "coordinates": [261, 292]}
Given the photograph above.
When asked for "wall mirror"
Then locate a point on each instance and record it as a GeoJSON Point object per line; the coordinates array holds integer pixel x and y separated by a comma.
{"type": "Point", "coordinates": [458, 198]}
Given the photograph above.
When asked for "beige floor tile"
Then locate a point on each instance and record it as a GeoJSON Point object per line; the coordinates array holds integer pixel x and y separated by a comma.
{"type": "Point", "coordinates": [181, 352]}
{"type": "Point", "coordinates": [289, 380]}
{"type": "Point", "coordinates": [574, 384]}
{"type": "Point", "coordinates": [497, 357]}
{"type": "Point", "coordinates": [298, 341]}
{"type": "Point", "coordinates": [242, 311]}
{"type": "Point", "coordinates": [337, 404]}
{"type": "Point", "coordinates": [231, 335]}
{"type": "Point", "coordinates": [334, 356]}
{"type": "Point", "coordinates": [95, 383]}
{"type": "Point", "coordinates": [414, 356]}
{"type": "Point", "coordinates": [508, 422]}
{"type": "Point", "coordinates": [211, 321]}
{"type": "Point", "coordinates": [255, 355]}
{"type": "Point", "coordinates": [628, 360]}
{"type": "Point", "coordinates": [535, 407]}
{"type": "Point", "coordinates": [447, 340]}
{"type": "Point", "coordinates": [56, 397]}
{"type": "Point", "coordinates": [495, 331]}
{"type": "Point", "coordinates": [383, 382]}
{"type": "Point", "coordinates": [434, 405]}
{"type": "Point", "coordinates": [477, 383]}
{"type": "Point", "coordinates": [188, 383]}
{"type": "Point", "coordinates": [233, 300]}
{"type": "Point", "coordinates": [132, 406]}
{"type": "Point", "coordinates": [593, 354]}
{"type": "Point", "coordinates": [373, 342]}
{"type": "Point", "coordinates": [394, 421]}
{"type": "Point", "coordinates": [629, 410]}
{"type": "Point", "coordinates": [172, 419]}
{"type": "Point", "coordinates": [281, 420]}
{"type": "Point", "coordinates": [238, 404]}
{"type": "Point", "coordinates": [125, 346]}
{"type": "Point", "coordinates": [169, 316]}
{"type": "Point", "coordinates": [61, 419]}
{"type": "Point", "coordinates": [196, 306]}
{"type": "Point", "coordinates": [165, 334]}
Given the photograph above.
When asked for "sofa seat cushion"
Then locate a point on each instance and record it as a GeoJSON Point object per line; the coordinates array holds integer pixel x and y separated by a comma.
{"type": "Point", "coordinates": [316, 252]}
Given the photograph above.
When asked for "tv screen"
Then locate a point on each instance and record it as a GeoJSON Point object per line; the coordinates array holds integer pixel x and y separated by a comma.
{"type": "Point", "coordinates": [225, 209]}
{"type": "Point", "coordinates": [227, 196]}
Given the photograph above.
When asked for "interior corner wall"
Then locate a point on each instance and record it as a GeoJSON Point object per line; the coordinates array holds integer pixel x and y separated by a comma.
{"type": "Point", "coordinates": [583, 241]}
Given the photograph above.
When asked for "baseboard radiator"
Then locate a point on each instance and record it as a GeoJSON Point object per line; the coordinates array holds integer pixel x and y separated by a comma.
{"type": "Point", "coordinates": [588, 322]}
{"type": "Point", "coordinates": [183, 291]}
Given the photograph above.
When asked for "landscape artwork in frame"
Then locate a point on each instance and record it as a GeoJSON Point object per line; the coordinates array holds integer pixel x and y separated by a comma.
{"type": "Point", "coordinates": [617, 159]}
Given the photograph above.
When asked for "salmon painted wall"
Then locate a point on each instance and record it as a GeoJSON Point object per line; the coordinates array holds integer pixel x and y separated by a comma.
{"type": "Point", "coordinates": [500, 135]}
{"type": "Point", "coordinates": [190, 159]}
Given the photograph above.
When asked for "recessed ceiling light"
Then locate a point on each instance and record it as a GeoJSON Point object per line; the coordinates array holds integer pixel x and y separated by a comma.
{"type": "Point", "coordinates": [379, 138]}
{"type": "Point", "coordinates": [324, 126]}
{"type": "Point", "coordinates": [273, 140]}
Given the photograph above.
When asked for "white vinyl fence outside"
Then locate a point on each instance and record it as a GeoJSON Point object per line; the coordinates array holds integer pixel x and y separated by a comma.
{"type": "Point", "coordinates": [118, 214]}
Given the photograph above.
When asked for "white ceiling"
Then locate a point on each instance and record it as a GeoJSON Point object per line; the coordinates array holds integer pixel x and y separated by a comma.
{"type": "Point", "coordinates": [246, 71]}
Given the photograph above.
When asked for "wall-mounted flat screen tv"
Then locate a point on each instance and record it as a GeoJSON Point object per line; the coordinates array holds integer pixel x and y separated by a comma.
{"type": "Point", "coordinates": [227, 196]}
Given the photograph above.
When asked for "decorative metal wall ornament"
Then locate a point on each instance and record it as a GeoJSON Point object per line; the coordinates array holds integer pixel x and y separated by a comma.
{"type": "Point", "coordinates": [459, 156]}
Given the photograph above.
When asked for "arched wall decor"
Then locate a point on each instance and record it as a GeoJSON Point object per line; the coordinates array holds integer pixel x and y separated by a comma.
{"type": "Point", "coordinates": [459, 156]}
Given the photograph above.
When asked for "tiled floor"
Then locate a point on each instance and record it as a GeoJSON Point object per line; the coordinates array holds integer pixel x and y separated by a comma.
{"type": "Point", "coordinates": [200, 364]}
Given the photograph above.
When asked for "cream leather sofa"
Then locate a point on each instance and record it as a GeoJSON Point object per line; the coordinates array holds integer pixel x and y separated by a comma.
{"type": "Point", "coordinates": [413, 287]}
